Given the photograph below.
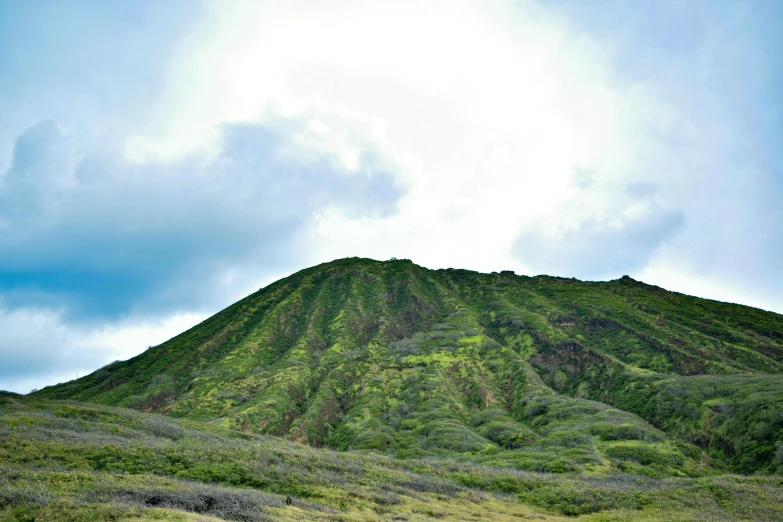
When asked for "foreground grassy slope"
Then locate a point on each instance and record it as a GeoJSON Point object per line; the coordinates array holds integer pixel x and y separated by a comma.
{"type": "Point", "coordinates": [539, 374]}
{"type": "Point", "coordinates": [71, 461]}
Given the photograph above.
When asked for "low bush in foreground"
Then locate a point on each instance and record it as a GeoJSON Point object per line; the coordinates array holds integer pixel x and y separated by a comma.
{"type": "Point", "coordinates": [70, 461]}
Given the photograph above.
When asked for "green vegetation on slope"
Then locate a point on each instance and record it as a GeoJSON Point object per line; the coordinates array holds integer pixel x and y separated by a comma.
{"type": "Point", "coordinates": [532, 373]}
{"type": "Point", "coordinates": [72, 461]}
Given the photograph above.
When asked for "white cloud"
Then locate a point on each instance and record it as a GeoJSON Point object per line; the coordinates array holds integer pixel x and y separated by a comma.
{"type": "Point", "coordinates": [502, 111]}
{"type": "Point", "coordinates": [479, 135]}
{"type": "Point", "coordinates": [122, 237]}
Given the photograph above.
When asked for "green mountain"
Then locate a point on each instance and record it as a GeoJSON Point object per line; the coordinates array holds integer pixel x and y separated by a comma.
{"type": "Point", "coordinates": [529, 373]}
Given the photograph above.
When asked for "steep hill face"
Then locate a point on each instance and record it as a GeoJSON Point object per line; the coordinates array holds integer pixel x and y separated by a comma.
{"type": "Point", "coordinates": [539, 373]}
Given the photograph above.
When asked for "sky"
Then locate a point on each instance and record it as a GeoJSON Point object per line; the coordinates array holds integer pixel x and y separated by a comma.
{"type": "Point", "coordinates": [161, 160]}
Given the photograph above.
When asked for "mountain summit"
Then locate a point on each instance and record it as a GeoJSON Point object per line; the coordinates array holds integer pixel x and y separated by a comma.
{"type": "Point", "coordinates": [539, 373]}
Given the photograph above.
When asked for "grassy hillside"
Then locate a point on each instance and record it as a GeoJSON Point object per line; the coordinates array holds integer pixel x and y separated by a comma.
{"type": "Point", "coordinates": [531, 373]}
{"type": "Point", "coordinates": [64, 461]}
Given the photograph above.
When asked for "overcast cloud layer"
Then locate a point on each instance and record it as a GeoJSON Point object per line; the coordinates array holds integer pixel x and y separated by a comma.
{"type": "Point", "coordinates": [160, 160]}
